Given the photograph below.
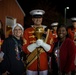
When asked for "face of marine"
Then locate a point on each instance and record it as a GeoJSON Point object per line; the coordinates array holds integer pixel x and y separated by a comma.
{"type": "Point", "coordinates": [17, 32]}
{"type": "Point", "coordinates": [74, 24]}
{"type": "Point", "coordinates": [37, 21]}
{"type": "Point", "coordinates": [54, 28]}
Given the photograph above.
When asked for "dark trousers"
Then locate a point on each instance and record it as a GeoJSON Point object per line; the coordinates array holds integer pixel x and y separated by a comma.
{"type": "Point", "coordinates": [72, 73]}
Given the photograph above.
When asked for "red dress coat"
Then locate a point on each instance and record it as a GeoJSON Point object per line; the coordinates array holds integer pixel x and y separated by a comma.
{"type": "Point", "coordinates": [30, 38]}
{"type": "Point", "coordinates": [54, 34]}
{"type": "Point", "coordinates": [71, 33]}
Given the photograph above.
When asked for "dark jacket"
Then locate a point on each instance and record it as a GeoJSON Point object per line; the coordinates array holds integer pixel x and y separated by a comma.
{"type": "Point", "coordinates": [12, 62]}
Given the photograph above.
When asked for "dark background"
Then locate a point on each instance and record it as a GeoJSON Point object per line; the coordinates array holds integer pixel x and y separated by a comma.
{"type": "Point", "coordinates": [54, 10]}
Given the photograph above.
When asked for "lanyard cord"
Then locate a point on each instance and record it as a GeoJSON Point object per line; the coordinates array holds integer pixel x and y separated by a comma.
{"type": "Point", "coordinates": [18, 52]}
{"type": "Point", "coordinates": [17, 43]}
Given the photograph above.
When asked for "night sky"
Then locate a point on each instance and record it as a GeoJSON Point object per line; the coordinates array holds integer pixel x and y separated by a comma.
{"type": "Point", "coordinates": [60, 5]}
{"type": "Point", "coordinates": [57, 5]}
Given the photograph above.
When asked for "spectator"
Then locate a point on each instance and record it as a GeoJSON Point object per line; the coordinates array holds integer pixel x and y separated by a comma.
{"type": "Point", "coordinates": [12, 48]}
{"type": "Point", "coordinates": [63, 53]}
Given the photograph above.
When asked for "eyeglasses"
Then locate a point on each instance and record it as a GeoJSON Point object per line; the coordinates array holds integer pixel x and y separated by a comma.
{"type": "Point", "coordinates": [17, 29]}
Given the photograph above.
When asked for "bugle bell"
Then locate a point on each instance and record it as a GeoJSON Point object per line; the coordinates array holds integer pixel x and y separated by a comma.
{"type": "Point", "coordinates": [39, 32]}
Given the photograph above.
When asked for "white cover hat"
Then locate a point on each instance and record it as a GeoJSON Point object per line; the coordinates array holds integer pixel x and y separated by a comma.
{"type": "Point", "coordinates": [73, 19]}
{"type": "Point", "coordinates": [37, 12]}
{"type": "Point", "coordinates": [17, 24]}
{"type": "Point", "coordinates": [54, 24]}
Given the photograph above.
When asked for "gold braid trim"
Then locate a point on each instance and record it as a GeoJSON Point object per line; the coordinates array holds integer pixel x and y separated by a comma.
{"type": "Point", "coordinates": [33, 56]}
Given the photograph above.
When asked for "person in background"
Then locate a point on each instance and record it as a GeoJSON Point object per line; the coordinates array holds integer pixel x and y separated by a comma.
{"type": "Point", "coordinates": [2, 37]}
{"type": "Point", "coordinates": [63, 53]}
{"type": "Point", "coordinates": [72, 30]}
{"type": "Point", "coordinates": [72, 33]}
{"type": "Point", "coordinates": [54, 29]}
{"type": "Point", "coordinates": [37, 49]}
{"type": "Point", "coordinates": [12, 48]}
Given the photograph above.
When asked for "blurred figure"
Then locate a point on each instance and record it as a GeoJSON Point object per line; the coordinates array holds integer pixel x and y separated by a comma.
{"type": "Point", "coordinates": [54, 36]}
{"type": "Point", "coordinates": [63, 53]}
{"type": "Point", "coordinates": [2, 37]}
{"type": "Point", "coordinates": [54, 29]}
{"type": "Point", "coordinates": [72, 30]}
{"type": "Point", "coordinates": [72, 34]}
{"type": "Point", "coordinates": [12, 48]}
{"type": "Point", "coordinates": [37, 49]}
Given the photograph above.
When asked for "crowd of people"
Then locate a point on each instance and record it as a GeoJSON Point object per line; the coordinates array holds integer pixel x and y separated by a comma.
{"type": "Point", "coordinates": [38, 50]}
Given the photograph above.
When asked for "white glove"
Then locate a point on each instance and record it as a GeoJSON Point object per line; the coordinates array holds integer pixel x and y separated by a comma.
{"type": "Point", "coordinates": [32, 47]}
{"type": "Point", "coordinates": [39, 42]}
{"type": "Point", "coordinates": [46, 46]}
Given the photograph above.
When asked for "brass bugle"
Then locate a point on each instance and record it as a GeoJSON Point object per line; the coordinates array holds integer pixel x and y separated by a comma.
{"type": "Point", "coordinates": [38, 32]}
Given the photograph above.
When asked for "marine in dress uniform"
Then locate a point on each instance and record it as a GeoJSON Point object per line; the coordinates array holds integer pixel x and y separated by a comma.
{"type": "Point", "coordinates": [72, 30]}
{"type": "Point", "coordinates": [54, 36]}
{"type": "Point", "coordinates": [72, 33]}
{"type": "Point", "coordinates": [31, 44]}
{"type": "Point", "coordinates": [54, 30]}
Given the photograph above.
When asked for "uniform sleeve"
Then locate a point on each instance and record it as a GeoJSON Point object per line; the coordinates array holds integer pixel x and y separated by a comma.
{"type": "Point", "coordinates": [25, 41]}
